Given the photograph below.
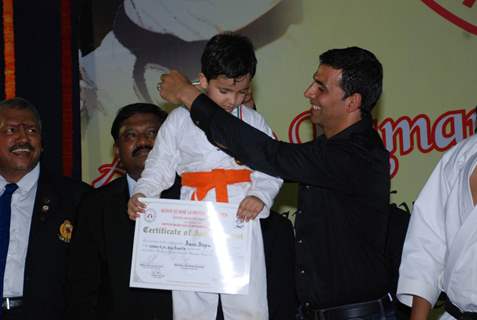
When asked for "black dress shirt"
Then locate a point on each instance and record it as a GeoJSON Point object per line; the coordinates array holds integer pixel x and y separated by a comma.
{"type": "Point", "coordinates": [342, 206]}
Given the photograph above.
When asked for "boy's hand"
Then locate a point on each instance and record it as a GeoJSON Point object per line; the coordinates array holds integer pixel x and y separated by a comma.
{"type": "Point", "coordinates": [135, 207]}
{"type": "Point", "coordinates": [176, 88]}
{"type": "Point", "coordinates": [249, 208]}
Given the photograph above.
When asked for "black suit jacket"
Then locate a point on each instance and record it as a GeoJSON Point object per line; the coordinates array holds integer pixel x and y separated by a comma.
{"type": "Point", "coordinates": [279, 244]}
{"type": "Point", "coordinates": [54, 210]}
{"type": "Point", "coordinates": [101, 261]}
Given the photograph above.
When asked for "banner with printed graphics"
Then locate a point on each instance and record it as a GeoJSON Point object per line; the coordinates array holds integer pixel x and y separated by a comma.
{"type": "Point", "coordinates": [427, 48]}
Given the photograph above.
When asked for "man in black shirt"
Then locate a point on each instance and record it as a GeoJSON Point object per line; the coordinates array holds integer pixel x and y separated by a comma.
{"type": "Point", "coordinates": [344, 182]}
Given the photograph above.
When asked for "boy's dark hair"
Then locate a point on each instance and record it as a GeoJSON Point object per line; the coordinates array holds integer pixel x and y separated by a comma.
{"type": "Point", "coordinates": [131, 109]}
{"type": "Point", "coordinates": [21, 103]}
{"type": "Point", "coordinates": [361, 73]}
{"type": "Point", "coordinates": [228, 54]}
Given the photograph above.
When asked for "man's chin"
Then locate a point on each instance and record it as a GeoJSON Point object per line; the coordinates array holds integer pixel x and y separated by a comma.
{"type": "Point", "coordinates": [141, 155]}
{"type": "Point", "coordinates": [314, 120]}
{"type": "Point", "coordinates": [21, 169]}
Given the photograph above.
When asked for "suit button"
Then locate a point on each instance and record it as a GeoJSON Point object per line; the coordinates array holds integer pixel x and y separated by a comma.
{"type": "Point", "coordinates": [302, 271]}
{"type": "Point", "coordinates": [299, 212]}
{"type": "Point", "coordinates": [307, 304]}
{"type": "Point", "coordinates": [299, 241]}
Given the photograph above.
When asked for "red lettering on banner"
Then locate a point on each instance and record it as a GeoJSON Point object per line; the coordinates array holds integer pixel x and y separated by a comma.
{"type": "Point", "coordinates": [294, 128]}
{"type": "Point", "coordinates": [107, 172]}
{"type": "Point", "coordinates": [452, 17]}
{"type": "Point", "coordinates": [469, 3]}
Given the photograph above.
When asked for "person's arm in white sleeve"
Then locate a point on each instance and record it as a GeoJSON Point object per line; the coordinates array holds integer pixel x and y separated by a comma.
{"type": "Point", "coordinates": [161, 164]}
{"type": "Point", "coordinates": [424, 251]}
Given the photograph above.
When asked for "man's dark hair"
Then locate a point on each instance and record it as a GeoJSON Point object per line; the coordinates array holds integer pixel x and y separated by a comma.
{"type": "Point", "coordinates": [228, 54]}
{"type": "Point", "coordinates": [131, 109]}
{"type": "Point", "coordinates": [361, 73]}
{"type": "Point", "coordinates": [21, 103]}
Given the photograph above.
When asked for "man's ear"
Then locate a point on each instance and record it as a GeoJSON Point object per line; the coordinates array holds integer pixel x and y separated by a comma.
{"type": "Point", "coordinates": [116, 150]}
{"type": "Point", "coordinates": [203, 81]}
{"type": "Point", "coordinates": [353, 102]}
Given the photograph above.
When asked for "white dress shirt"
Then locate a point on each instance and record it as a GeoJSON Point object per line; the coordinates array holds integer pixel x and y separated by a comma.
{"type": "Point", "coordinates": [437, 231]}
{"type": "Point", "coordinates": [131, 184]}
{"type": "Point", "coordinates": [181, 147]}
{"type": "Point", "coordinates": [23, 200]}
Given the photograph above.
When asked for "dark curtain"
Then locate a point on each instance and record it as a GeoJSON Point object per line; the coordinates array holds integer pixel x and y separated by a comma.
{"type": "Point", "coordinates": [46, 73]}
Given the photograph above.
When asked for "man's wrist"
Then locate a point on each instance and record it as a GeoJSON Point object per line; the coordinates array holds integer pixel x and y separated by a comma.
{"type": "Point", "coordinates": [420, 308]}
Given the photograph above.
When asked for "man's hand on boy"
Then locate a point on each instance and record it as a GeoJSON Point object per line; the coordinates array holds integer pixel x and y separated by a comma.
{"type": "Point", "coordinates": [249, 208]}
{"type": "Point", "coordinates": [135, 207]}
{"type": "Point", "coordinates": [176, 88]}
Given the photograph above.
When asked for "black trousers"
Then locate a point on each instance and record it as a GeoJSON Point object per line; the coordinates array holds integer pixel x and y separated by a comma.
{"type": "Point", "coordinates": [12, 314]}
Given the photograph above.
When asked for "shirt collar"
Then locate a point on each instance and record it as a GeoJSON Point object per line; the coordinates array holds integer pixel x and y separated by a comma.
{"type": "Point", "coordinates": [131, 183]}
{"type": "Point", "coordinates": [362, 125]}
{"type": "Point", "coordinates": [27, 182]}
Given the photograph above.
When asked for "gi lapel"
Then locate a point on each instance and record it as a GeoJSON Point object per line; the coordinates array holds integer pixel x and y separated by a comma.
{"type": "Point", "coordinates": [467, 228]}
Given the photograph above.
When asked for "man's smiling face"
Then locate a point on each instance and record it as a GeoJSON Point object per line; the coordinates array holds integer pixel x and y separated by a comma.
{"type": "Point", "coordinates": [20, 142]}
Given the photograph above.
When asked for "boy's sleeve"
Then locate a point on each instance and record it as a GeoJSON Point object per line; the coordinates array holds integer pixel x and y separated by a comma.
{"type": "Point", "coordinates": [161, 164]}
{"type": "Point", "coordinates": [264, 186]}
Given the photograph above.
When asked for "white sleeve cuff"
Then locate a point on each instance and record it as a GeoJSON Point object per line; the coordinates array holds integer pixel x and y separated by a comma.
{"type": "Point", "coordinates": [407, 288]}
{"type": "Point", "coordinates": [266, 208]}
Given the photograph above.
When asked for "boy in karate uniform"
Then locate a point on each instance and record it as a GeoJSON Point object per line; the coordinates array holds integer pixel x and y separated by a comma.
{"type": "Point", "coordinates": [228, 65]}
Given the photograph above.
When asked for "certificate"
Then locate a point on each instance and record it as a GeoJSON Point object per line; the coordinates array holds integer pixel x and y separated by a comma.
{"type": "Point", "coordinates": [191, 245]}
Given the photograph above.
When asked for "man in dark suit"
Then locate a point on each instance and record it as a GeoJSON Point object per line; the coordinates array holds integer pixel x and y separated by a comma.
{"type": "Point", "coordinates": [102, 242]}
{"type": "Point", "coordinates": [35, 220]}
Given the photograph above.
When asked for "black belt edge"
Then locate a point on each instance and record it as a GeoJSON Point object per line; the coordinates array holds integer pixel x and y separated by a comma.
{"type": "Point", "coordinates": [454, 311]}
{"type": "Point", "coordinates": [384, 304]}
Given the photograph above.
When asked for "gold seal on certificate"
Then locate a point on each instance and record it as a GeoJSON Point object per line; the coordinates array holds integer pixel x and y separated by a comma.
{"type": "Point", "coordinates": [191, 245]}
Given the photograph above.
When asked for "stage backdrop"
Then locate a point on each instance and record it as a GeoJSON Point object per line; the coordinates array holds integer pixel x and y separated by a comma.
{"type": "Point", "coordinates": [428, 49]}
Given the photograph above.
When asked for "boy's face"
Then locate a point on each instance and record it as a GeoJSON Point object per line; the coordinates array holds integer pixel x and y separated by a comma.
{"type": "Point", "coordinates": [228, 93]}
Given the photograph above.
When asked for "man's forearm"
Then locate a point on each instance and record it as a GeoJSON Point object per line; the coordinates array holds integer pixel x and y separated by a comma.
{"type": "Point", "coordinates": [176, 88]}
{"type": "Point", "coordinates": [420, 308]}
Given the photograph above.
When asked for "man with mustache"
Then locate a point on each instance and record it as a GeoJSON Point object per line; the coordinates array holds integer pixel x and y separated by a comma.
{"type": "Point", "coordinates": [102, 243]}
{"type": "Point", "coordinates": [36, 215]}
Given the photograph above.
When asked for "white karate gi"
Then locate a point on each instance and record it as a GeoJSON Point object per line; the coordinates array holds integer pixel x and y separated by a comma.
{"type": "Point", "coordinates": [181, 147]}
{"type": "Point", "coordinates": [430, 264]}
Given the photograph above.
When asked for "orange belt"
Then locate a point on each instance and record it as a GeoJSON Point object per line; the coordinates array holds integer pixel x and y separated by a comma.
{"type": "Point", "coordinates": [219, 179]}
